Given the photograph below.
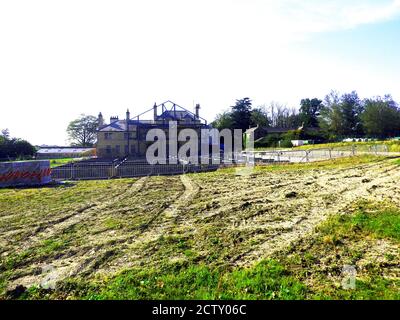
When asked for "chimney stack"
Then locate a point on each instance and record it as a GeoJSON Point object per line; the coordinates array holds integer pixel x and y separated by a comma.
{"type": "Point", "coordinates": [197, 111]}
{"type": "Point", "coordinates": [155, 111]}
{"type": "Point", "coordinates": [128, 115]}
{"type": "Point", "coordinates": [100, 119]}
{"type": "Point", "coordinates": [113, 119]}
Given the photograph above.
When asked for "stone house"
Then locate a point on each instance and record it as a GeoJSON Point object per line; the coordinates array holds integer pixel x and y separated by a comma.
{"type": "Point", "coordinates": [127, 137]}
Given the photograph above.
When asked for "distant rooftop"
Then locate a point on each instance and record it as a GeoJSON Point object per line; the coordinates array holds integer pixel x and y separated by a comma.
{"type": "Point", "coordinates": [70, 150]}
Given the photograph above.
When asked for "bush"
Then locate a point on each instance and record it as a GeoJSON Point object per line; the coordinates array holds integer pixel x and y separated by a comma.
{"type": "Point", "coordinates": [16, 149]}
{"type": "Point", "coordinates": [269, 141]}
{"type": "Point", "coordinates": [286, 144]}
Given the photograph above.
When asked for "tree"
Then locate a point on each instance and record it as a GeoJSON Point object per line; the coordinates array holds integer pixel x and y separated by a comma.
{"type": "Point", "coordinates": [351, 109]}
{"type": "Point", "coordinates": [309, 112]}
{"type": "Point", "coordinates": [330, 119]}
{"type": "Point", "coordinates": [340, 115]}
{"type": "Point", "coordinates": [259, 117]}
{"type": "Point", "coordinates": [280, 116]}
{"type": "Point", "coordinates": [241, 114]}
{"type": "Point", "coordinates": [13, 148]}
{"type": "Point", "coordinates": [82, 131]}
{"type": "Point", "coordinates": [223, 121]}
{"type": "Point", "coordinates": [5, 133]}
{"type": "Point", "coordinates": [381, 117]}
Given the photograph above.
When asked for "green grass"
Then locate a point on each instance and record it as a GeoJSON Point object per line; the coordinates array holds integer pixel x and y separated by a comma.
{"type": "Point", "coordinates": [347, 162]}
{"type": "Point", "coordinates": [385, 224]}
{"type": "Point", "coordinates": [328, 164]}
{"type": "Point", "coordinates": [393, 146]}
{"type": "Point", "coordinates": [371, 220]}
{"type": "Point", "coordinates": [340, 241]}
{"type": "Point", "coordinates": [59, 162]}
{"type": "Point", "coordinates": [266, 280]}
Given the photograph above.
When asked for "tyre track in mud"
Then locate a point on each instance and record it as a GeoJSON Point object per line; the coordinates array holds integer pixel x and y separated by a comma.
{"type": "Point", "coordinates": [26, 271]}
{"type": "Point", "coordinates": [91, 257]}
{"type": "Point", "coordinates": [165, 223]}
{"type": "Point", "coordinates": [271, 191]}
{"type": "Point", "coordinates": [183, 216]}
{"type": "Point", "coordinates": [116, 250]}
{"type": "Point", "coordinates": [304, 226]}
{"type": "Point", "coordinates": [57, 226]}
{"type": "Point", "coordinates": [174, 219]}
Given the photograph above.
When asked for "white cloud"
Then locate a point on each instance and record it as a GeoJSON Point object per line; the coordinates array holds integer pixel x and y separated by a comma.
{"type": "Point", "coordinates": [301, 18]}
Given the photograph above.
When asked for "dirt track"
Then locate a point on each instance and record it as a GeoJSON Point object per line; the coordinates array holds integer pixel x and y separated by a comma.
{"type": "Point", "coordinates": [220, 218]}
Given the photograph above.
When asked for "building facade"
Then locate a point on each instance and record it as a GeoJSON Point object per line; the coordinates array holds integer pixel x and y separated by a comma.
{"type": "Point", "coordinates": [127, 137]}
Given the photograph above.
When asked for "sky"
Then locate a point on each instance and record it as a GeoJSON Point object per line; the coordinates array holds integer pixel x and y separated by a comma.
{"type": "Point", "coordinates": [59, 59]}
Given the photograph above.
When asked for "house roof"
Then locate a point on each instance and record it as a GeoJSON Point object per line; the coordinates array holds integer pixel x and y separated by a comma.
{"type": "Point", "coordinates": [64, 150]}
{"type": "Point", "coordinates": [117, 126]}
{"type": "Point", "coordinates": [120, 125]}
{"type": "Point", "coordinates": [176, 115]}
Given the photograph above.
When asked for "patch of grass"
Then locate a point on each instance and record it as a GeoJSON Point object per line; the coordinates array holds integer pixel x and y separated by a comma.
{"type": "Point", "coordinates": [385, 224]}
{"type": "Point", "coordinates": [52, 245]}
{"type": "Point", "coordinates": [347, 162]}
{"type": "Point", "coordinates": [328, 164]}
{"type": "Point", "coordinates": [111, 223]}
{"type": "Point", "coordinates": [392, 146]}
{"type": "Point", "coordinates": [14, 260]}
{"type": "Point", "coordinates": [345, 240]}
{"type": "Point", "coordinates": [380, 223]}
{"type": "Point", "coordinates": [59, 162]}
{"type": "Point", "coordinates": [266, 280]}
{"type": "Point", "coordinates": [375, 288]}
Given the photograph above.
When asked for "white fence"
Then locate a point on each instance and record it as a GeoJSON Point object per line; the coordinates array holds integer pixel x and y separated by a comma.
{"type": "Point", "coordinates": [312, 155]}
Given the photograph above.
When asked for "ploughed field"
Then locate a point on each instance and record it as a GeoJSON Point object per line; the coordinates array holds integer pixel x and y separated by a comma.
{"type": "Point", "coordinates": [279, 232]}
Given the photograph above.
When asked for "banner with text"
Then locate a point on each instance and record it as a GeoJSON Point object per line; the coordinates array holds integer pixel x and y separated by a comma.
{"type": "Point", "coordinates": [23, 173]}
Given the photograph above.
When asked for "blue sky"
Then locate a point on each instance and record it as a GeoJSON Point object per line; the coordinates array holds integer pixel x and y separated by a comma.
{"type": "Point", "coordinates": [59, 59]}
{"type": "Point", "coordinates": [375, 46]}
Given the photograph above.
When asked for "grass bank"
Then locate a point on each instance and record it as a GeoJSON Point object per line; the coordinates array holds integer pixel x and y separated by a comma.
{"type": "Point", "coordinates": [393, 146]}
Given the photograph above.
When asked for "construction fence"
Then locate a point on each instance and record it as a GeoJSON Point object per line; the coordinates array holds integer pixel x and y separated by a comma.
{"type": "Point", "coordinates": [317, 154]}
{"type": "Point", "coordinates": [125, 168]}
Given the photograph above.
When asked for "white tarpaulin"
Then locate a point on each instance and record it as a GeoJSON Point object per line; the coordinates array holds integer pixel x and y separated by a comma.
{"type": "Point", "coordinates": [23, 173]}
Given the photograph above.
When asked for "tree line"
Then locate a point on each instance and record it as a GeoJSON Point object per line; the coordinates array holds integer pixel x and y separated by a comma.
{"type": "Point", "coordinates": [335, 117]}
{"type": "Point", "coordinates": [14, 148]}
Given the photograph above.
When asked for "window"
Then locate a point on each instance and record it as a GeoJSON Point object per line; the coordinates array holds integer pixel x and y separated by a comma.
{"type": "Point", "coordinates": [126, 149]}
{"type": "Point", "coordinates": [118, 149]}
{"type": "Point", "coordinates": [132, 135]}
{"type": "Point", "coordinates": [107, 136]}
{"type": "Point", "coordinates": [108, 149]}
